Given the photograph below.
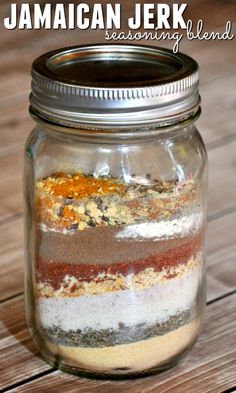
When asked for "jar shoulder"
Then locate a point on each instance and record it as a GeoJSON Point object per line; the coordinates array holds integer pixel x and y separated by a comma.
{"type": "Point", "coordinates": [174, 155]}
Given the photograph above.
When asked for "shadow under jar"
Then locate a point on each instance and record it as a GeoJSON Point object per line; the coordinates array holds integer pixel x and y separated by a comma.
{"type": "Point", "coordinates": [115, 190]}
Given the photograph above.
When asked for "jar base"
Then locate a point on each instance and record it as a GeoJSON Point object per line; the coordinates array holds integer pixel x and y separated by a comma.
{"type": "Point", "coordinates": [109, 376]}
{"type": "Point", "coordinates": [124, 361]}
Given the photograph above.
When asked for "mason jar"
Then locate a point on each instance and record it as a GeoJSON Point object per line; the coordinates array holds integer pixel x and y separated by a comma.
{"type": "Point", "coordinates": [115, 191]}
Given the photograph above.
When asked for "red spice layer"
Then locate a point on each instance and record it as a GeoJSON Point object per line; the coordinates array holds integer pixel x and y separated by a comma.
{"type": "Point", "coordinates": [53, 272]}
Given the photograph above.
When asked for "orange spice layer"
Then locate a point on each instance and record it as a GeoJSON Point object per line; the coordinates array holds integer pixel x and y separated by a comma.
{"type": "Point", "coordinates": [77, 202]}
{"type": "Point", "coordinates": [79, 185]}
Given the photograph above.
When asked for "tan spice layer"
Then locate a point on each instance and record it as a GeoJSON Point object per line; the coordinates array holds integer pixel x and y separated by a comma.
{"type": "Point", "coordinates": [76, 202]}
{"type": "Point", "coordinates": [135, 357]}
{"type": "Point", "coordinates": [72, 287]}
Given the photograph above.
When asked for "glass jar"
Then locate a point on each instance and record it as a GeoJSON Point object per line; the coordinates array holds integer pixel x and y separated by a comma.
{"type": "Point", "coordinates": [115, 187]}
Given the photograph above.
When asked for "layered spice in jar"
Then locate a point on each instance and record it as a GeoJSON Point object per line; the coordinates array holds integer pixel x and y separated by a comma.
{"type": "Point", "coordinates": [116, 208]}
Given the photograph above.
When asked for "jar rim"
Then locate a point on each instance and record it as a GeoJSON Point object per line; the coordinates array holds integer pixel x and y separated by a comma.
{"type": "Point", "coordinates": [116, 86]}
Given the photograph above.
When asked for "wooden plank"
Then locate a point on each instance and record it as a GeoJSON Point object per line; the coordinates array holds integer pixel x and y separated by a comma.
{"type": "Point", "coordinates": [212, 66]}
{"type": "Point", "coordinates": [16, 84]}
{"type": "Point", "coordinates": [222, 186]}
{"type": "Point", "coordinates": [209, 367]}
{"type": "Point", "coordinates": [16, 123]}
{"type": "Point", "coordinates": [11, 258]}
{"type": "Point", "coordinates": [214, 14]}
{"type": "Point", "coordinates": [18, 356]}
{"type": "Point", "coordinates": [11, 184]}
{"type": "Point", "coordinates": [218, 108]}
{"type": "Point", "coordinates": [18, 39]}
{"type": "Point", "coordinates": [221, 251]}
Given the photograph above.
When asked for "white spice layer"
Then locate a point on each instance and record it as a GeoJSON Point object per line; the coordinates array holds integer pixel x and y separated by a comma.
{"type": "Point", "coordinates": [164, 229]}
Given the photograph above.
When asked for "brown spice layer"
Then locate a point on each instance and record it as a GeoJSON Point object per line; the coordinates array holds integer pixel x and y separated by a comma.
{"type": "Point", "coordinates": [99, 246]}
{"type": "Point", "coordinates": [54, 272]}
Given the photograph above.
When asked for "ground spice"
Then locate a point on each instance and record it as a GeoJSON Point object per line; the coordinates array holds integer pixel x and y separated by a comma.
{"type": "Point", "coordinates": [77, 202]}
{"type": "Point", "coordinates": [53, 272]}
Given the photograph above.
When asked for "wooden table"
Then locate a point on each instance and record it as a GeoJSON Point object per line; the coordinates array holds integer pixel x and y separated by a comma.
{"type": "Point", "coordinates": [211, 365]}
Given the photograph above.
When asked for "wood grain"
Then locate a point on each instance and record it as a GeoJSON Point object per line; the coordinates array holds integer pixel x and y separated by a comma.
{"type": "Point", "coordinates": [11, 184]}
{"type": "Point", "coordinates": [210, 367]}
{"type": "Point", "coordinates": [18, 356]}
{"type": "Point", "coordinates": [221, 251]}
{"type": "Point", "coordinates": [222, 169]}
{"type": "Point", "coordinates": [16, 126]}
{"type": "Point", "coordinates": [215, 122]}
{"type": "Point", "coordinates": [11, 258]}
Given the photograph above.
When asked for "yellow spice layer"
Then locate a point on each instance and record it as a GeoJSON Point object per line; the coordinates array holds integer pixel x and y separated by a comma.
{"type": "Point", "coordinates": [77, 202]}
{"type": "Point", "coordinates": [137, 357]}
{"type": "Point", "coordinates": [71, 287]}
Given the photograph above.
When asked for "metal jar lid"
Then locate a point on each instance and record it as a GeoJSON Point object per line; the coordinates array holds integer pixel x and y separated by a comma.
{"type": "Point", "coordinates": [115, 86]}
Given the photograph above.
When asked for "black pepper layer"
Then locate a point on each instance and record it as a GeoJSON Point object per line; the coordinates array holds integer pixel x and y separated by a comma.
{"type": "Point", "coordinates": [124, 335]}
